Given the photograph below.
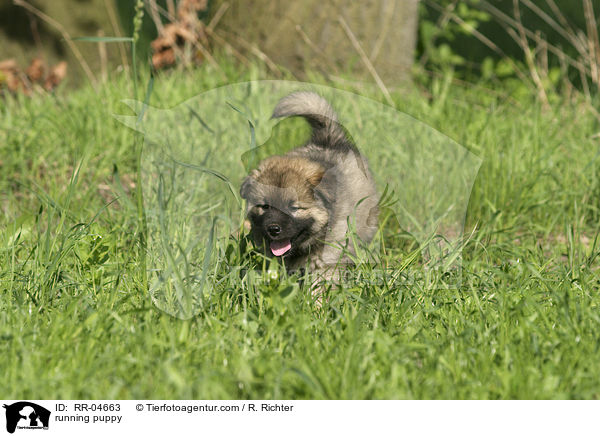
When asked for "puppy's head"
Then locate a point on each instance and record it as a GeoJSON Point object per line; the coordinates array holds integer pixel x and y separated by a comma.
{"type": "Point", "coordinates": [286, 208]}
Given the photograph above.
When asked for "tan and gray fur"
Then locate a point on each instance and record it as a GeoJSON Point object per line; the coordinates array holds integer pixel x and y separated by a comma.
{"type": "Point", "coordinates": [299, 204]}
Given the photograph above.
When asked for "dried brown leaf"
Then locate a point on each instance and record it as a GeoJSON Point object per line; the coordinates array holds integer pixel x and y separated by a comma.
{"type": "Point", "coordinates": [35, 70]}
{"type": "Point", "coordinates": [57, 75]}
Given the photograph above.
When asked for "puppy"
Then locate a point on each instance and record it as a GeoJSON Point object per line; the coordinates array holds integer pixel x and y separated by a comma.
{"type": "Point", "coordinates": [301, 205]}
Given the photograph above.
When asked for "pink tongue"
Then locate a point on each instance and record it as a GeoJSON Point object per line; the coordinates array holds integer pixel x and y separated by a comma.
{"type": "Point", "coordinates": [279, 248]}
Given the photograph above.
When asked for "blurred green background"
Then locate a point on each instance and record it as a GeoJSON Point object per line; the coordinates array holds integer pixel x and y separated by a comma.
{"type": "Point", "coordinates": [471, 37]}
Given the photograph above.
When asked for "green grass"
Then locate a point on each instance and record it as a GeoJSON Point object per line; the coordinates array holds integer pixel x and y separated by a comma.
{"type": "Point", "coordinates": [76, 322]}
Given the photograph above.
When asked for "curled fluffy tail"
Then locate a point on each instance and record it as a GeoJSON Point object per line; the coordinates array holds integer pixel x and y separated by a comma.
{"type": "Point", "coordinates": [326, 129]}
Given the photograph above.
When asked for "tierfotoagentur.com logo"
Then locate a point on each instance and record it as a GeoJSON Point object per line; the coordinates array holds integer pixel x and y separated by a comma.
{"type": "Point", "coordinates": [26, 415]}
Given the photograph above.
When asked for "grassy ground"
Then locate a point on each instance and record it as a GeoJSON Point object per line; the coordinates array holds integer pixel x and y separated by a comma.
{"type": "Point", "coordinates": [76, 322]}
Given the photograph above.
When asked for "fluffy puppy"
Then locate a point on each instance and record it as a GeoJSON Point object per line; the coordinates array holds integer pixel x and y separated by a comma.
{"type": "Point", "coordinates": [300, 205]}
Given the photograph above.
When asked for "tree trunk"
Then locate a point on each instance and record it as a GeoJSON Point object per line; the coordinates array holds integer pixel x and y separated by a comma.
{"type": "Point", "coordinates": [309, 34]}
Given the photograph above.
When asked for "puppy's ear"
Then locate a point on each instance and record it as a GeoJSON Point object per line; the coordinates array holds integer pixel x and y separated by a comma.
{"type": "Point", "coordinates": [245, 188]}
{"type": "Point", "coordinates": [316, 176]}
{"type": "Point", "coordinates": [324, 195]}
{"type": "Point", "coordinates": [249, 183]}
{"type": "Point", "coordinates": [325, 190]}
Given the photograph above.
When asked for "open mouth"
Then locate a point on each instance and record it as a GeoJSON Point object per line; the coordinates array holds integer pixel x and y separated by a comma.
{"type": "Point", "coordinates": [279, 248]}
{"type": "Point", "coordinates": [284, 246]}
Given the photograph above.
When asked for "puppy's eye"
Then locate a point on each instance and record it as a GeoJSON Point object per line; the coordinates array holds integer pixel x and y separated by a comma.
{"type": "Point", "coordinates": [262, 206]}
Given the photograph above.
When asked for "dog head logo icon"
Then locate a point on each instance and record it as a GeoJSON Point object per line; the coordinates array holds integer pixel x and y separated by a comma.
{"type": "Point", "coordinates": [25, 414]}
